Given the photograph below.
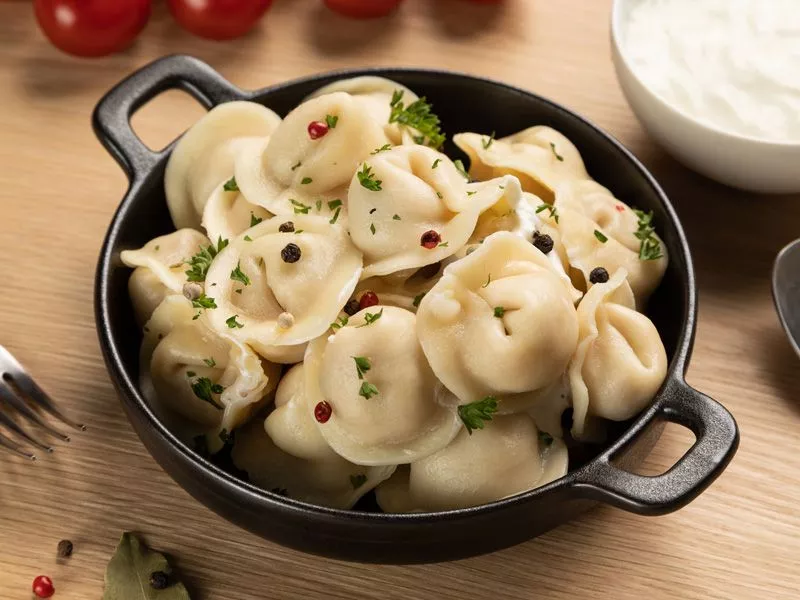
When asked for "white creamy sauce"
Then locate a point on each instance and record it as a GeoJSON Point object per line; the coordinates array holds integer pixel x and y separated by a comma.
{"type": "Point", "coordinates": [734, 64]}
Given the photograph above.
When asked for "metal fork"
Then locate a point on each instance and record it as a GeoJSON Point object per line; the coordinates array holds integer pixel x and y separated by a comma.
{"type": "Point", "coordinates": [17, 389]}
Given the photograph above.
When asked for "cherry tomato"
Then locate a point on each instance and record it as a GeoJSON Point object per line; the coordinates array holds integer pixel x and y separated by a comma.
{"type": "Point", "coordinates": [218, 19]}
{"type": "Point", "coordinates": [363, 9]}
{"type": "Point", "coordinates": [92, 27]}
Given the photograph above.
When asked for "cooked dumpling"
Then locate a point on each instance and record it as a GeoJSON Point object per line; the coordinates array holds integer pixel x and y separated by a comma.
{"type": "Point", "coordinates": [276, 290]}
{"type": "Point", "coordinates": [410, 207]}
{"type": "Point", "coordinates": [404, 289]}
{"type": "Point", "coordinates": [539, 156]}
{"type": "Point", "coordinates": [294, 173]}
{"type": "Point", "coordinates": [589, 245]}
{"type": "Point", "coordinates": [211, 381]}
{"type": "Point", "coordinates": [160, 269]}
{"type": "Point", "coordinates": [500, 321]}
{"type": "Point", "coordinates": [505, 458]}
{"type": "Point", "coordinates": [381, 403]}
{"type": "Point", "coordinates": [376, 94]}
{"type": "Point", "coordinates": [204, 157]}
{"type": "Point", "coordinates": [620, 362]}
{"type": "Point", "coordinates": [325, 481]}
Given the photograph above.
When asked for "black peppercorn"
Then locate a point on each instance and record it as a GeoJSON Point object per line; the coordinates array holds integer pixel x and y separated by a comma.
{"type": "Point", "coordinates": [287, 227]}
{"type": "Point", "coordinates": [542, 242]}
{"type": "Point", "coordinates": [291, 253]}
{"type": "Point", "coordinates": [64, 549]}
{"type": "Point", "coordinates": [352, 307]}
{"type": "Point", "coordinates": [159, 580]}
{"type": "Point", "coordinates": [598, 275]}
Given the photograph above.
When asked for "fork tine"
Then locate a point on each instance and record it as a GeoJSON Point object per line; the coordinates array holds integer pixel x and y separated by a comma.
{"type": "Point", "coordinates": [29, 387]}
{"type": "Point", "coordinates": [10, 424]}
{"type": "Point", "coordinates": [10, 446]}
{"type": "Point", "coordinates": [8, 395]}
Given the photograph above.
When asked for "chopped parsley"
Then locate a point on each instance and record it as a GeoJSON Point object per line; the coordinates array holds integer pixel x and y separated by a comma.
{"type": "Point", "coordinates": [417, 115]}
{"type": "Point", "coordinates": [367, 390]}
{"type": "Point", "coordinates": [247, 238]}
{"type": "Point", "coordinates": [383, 148]}
{"type": "Point", "coordinates": [600, 236]}
{"type": "Point", "coordinates": [444, 244]}
{"type": "Point", "coordinates": [370, 318]}
{"type": "Point", "coordinates": [650, 247]}
{"type": "Point", "coordinates": [439, 195]}
{"type": "Point", "coordinates": [232, 323]}
{"type": "Point", "coordinates": [254, 220]}
{"type": "Point", "coordinates": [367, 180]}
{"type": "Point", "coordinates": [238, 275]}
{"type": "Point", "coordinates": [487, 142]}
{"type": "Point", "coordinates": [358, 480]}
{"type": "Point", "coordinates": [203, 389]}
{"type": "Point", "coordinates": [335, 216]}
{"type": "Point", "coordinates": [306, 180]}
{"type": "Point", "coordinates": [299, 207]}
{"type": "Point", "coordinates": [436, 163]}
{"type": "Point", "coordinates": [372, 228]}
{"type": "Point", "coordinates": [199, 263]}
{"type": "Point", "coordinates": [461, 169]}
{"type": "Point", "coordinates": [396, 217]}
{"type": "Point", "coordinates": [319, 205]}
{"type": "Point", "coordinates": [231, 185]}
{"type": "Point", "coordinates": [475, 414]}
{"type": "Point", "coordinates": [362, 365]}
{"type": "Point", "coordinates": [488, 281]}
{"type": "Point", "coordinates": [549, 208]}
{"type": "Point", "coordinates": [418, 298]}
{"type": "Point", "coordinates": [334, 204]}
{"type": "Point", "coordinates": [204, 301]}
{"type": "Point", "coordinates": [297, 166]}
{"type": "Point", "coordinates": [471, 193]}
{"type": "Point", "coordinates": [331, 121]}
{"type": "Point", "coordinates": [499, 311]}
{"type": "Point", "coordinates": [555, 153]}
{"type": "Point", "coordinates": [340, 322]}
{"type": "Point", "coordinates": [210, 362]}
{"type": "Point", "coordinates": [191, 374]}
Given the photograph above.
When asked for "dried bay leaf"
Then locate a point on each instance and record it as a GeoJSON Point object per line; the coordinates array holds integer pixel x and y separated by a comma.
{"type": "Point", "coordinates": [128, 573]}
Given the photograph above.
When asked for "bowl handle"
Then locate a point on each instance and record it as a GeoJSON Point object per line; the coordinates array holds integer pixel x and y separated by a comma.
{"type": "Point", "coordinates": [111, 117]}
{"type": "Point", "coordinates": [717, 438]}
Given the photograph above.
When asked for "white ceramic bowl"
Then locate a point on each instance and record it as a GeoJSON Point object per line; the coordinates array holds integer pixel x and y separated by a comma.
{"type": "Point", "coordinates": [730, 158]}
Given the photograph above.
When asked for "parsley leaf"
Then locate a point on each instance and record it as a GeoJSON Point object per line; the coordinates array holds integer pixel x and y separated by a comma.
{"type": "Point", "coordinates": [461, 169]}
{"type": "Point", "coordinates": [557, 155]}
{"type": "Point", "coordinates": [367, 390]}
{"type": "Point", "coordinates": [362, 365]}
{"type": "Point", "coordinates": [418, 298]}
{"type": "Point", "coordinates": [358, 480]}
{"type": "Point", "coordinates": [396, 217]}
{"type": "Point", "coordinates": [650, 247]}
{"type": "Point", "coordinates": [475, 414]}
{"type": "Point", "coordinates": [499, 311]}
{"type": "Point", "coordinates": [204, 301]}
{"type": "Point", "coordinates": [247, 238]}
{"type": "Point", "coordinates": [367, 180]}
{"type": "Point", "coordinates": [340, 322]}
{"type": "Point", "coordinates": [599, 235]}
{"type": "Point", "coordinates": [551, 209]}
{"type": "Point", "coordinates": [254, 220]}
{"type": "Point", "coordinates": [299, 207]}
{"type": "Point", "coordinates": [210, 362]}
{"type": "Point", "coordinates": [231, 185]}
{"type": "Point", "coordinates": [334, 204]}
{"type": "Point", "coordinates": [331, 121]}
{"type": "Point", "coordinates": [238, 275]}
{"type": "Point", "coordinates": [199, 263]}
{"type": "Point", "coordinates": [383, 148]}
{"type": "Point", "coordinates": [417, 115]}
{"type": "Point", "coordinates": [232, 323]}
{"type": "Point", "coordinates": [372, 228]}
{"type": "Point", "coordinates": [436, 163]}
{"type": "Point", "coordinates": [487, 142]}
{"type": "Point", "coordinates": [370, 318]}
{"type": "Point", "coordinates": [335, 216]}
{"type": "Point", "coordinates": [306, 180]}
{"type": "Point", "coordinates": [203, 389]}
{"type": "Point", "coordinates": [488, 281]}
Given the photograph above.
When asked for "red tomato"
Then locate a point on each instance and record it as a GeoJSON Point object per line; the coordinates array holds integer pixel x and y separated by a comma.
{"type": "Point", "coordinates": [92, 27]}
{"type": "Point", "coordinates": [363, 9]}
{"type": "Point", "coordinates": [218, 19]}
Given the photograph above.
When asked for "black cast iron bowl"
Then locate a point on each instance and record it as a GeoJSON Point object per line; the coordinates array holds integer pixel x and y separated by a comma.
{"type": "Point", "coordinates": [464, 103]}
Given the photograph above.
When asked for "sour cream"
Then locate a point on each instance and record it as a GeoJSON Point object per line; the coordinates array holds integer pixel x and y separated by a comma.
{"type": "Point", "coordinates": [732, 64]}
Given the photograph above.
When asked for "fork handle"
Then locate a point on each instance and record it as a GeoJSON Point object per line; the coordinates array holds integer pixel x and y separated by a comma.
{"type": "Point", "coordinates": [112, 115]}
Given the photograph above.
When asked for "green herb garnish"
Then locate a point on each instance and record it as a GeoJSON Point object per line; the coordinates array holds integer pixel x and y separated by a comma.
{"type": "Point", "coordinates": [370, 318]}
{"type": "Point", "coordinates": [203, 389]}
{"type": "Point", "coordinates": [383, 148]}
{"type": "Point", "coordinates": [487, 142]}
{"type": "Point", "coordinates": [418, 298]}
{"type": "Point", "coordinates": [331, 121]}
{"type": "Point", "coordinates": [396, 218]}
{"type": "Point", "coordinates": [367, 390]}
{"type": "Point", "coordinates": [436, 163]}
{"type": "Point", "coordinates": [334, 204]}
{"type": "Point", "coordinates": [650, 247]}
{"type": "Point", "coordinates": [499, 311]}
{"type": "Point", "coordinates": [210, 362]}
{"type": "Point", "coordinates": [204, 301]}
{"type": "Point", "coordinates": [247, 238]}
{"type": "Point", "coordinates": [306, 180]}
{"type": "Point", "coordinates": [417, 115]}
{"type": "Point", "coordinates": [238, 275]}
{"type": "Point", "coordinates": [231, 185]}
{"type": "Point", "coordinates": [555, 153]}
{"type": "Point", "coordinates": [299, 207]}
{"type": "Point", "coordinates": [549, 208]}
{"type": "Point", "coordinates": [297, 166]}
{"type": "Point", "coordinates": [461, 169]}
{"type": "Point", "coordinates": [367, 180]}
{"type": "Point", "coordinates": [232, 323]}
{"type": "Point", "coordinates": [340, 322]}
{"type": "Point", "coordinates": [488, 281]}
{"type": "Point", "coordinates": [599, 235]}
{"type": "Point", "coordinates": [200, 262]}
{"type": "Point", "coordinates": [372, 228]}
{"type": "Point", "coordinates": [254, 220]}
{"type": "Point", "coordinates": [335, 216]}
{"type": "Point", "coordinates": [362, 365]}
{"type": "Point", "coordinates": [475, 414]}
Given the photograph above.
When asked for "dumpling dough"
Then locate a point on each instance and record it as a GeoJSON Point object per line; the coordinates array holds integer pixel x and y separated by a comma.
{"type": "Point", "coordinates": [311, 290]}
{"type": "Point", "coordinates": [204, 157]}
{"type": "Point", "coordinates": [477, 351]}
{"type": "Point", "coordinates": [375, 95]}
{"type": "Point", "coordinates": [293, 174]}
{"type": "Point", "coordinates": [404, 289]}
{"type": "Point", "coordinates": [620, 362]}
{"type": "Point", "coordinates": [421, 190]}
{"type": "Point", "coordinates": [160, 269]}
{"type": "Point", "coordinates": [191, 352]}
{"type": "Point", "coordinates": [539, 156]}
{"type": "Point", "coordinates": [505, 458]}
{"type": "Point", "coordinates": [325, 481]}
{"type": "Point", "coordinates": [585, 251]}
{"type": "Point", "coordinates": [403, 421]}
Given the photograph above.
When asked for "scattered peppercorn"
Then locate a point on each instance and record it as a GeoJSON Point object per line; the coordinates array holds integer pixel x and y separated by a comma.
{"type": "Point", "coordinates": [368, 299]}
{"type": "Point", "coordinates": [430, 271]}
{"type": "Point", "coordinates": [322, 412]}
{"type": "Point", "coordinates": [291, 253]}
{"type": "Point", "coordinates": [192, 291]}
{"type": "Point", "coordinates": [64, 549]}
{"type": "Point", "coordinates": [287, 227]}
{"type": "Point", "coordinates": [159, 580]}
{"type": "Point", "coordinates": [43, 587]}
{"type": "Point", "coordinates": [542, 242]}
{"type": "Point", "coordinates": [317, 129]}
{"type": "Point", "coordinates": [352, 307]}
{"type": "Point", "coordinates": [285, 320]}
{"type": "Point", "coordinates": [430, 239]}
{"type": "Point", "coordinates": [598, 275]}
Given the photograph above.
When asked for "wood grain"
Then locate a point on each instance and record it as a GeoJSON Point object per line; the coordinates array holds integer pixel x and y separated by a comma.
{"type": "Point", "coordinates": [741, 539]}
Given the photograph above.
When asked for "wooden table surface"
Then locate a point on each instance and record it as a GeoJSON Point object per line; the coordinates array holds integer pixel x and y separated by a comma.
{"type": "Point", "coordinates": [58, 189]}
